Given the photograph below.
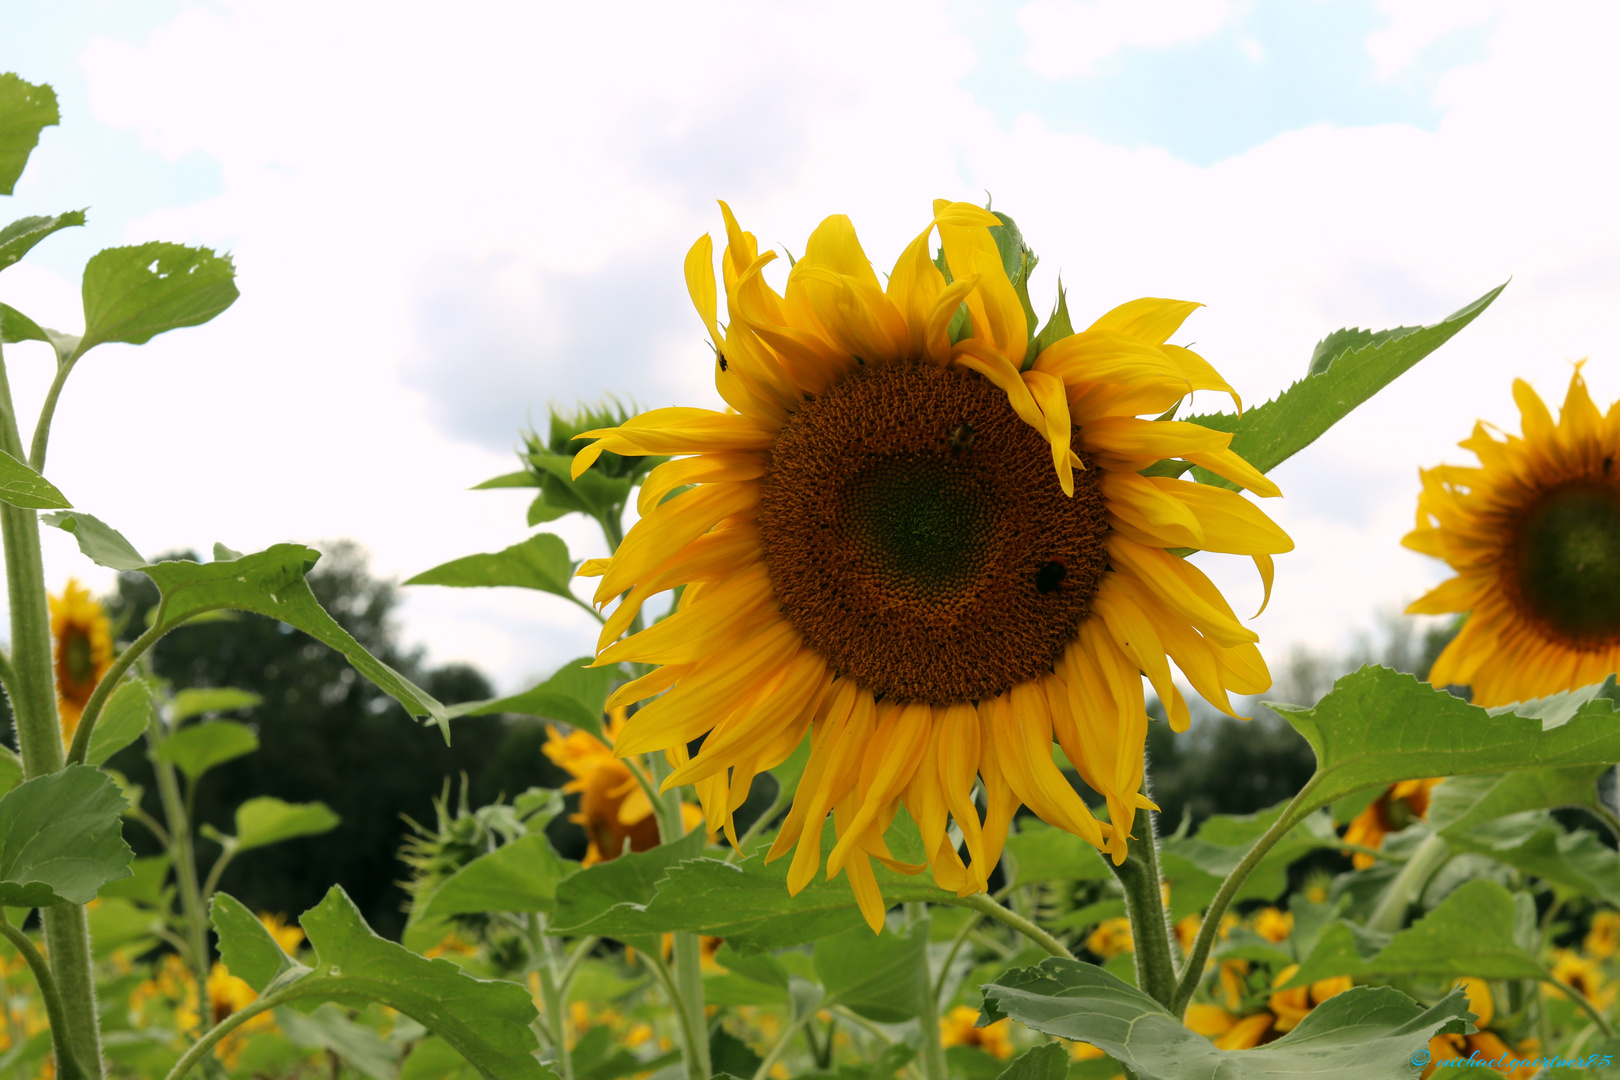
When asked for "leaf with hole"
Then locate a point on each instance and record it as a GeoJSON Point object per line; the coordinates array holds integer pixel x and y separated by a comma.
{"type": "Point", "coordinates": [26, 109]}
{"type": "Point", "coordinates": [132, 294]}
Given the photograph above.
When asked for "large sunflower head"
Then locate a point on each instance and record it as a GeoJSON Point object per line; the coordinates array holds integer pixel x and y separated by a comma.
{"type": "Point", "coordinates": [1533, 533]}
{"type": "Point", "coordinates": [84, 651]}
{"type": "Point", "coordinates": [929, 541]}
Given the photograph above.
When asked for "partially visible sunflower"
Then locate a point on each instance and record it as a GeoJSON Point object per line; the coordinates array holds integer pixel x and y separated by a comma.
{"type": "Point", "coordinates": [1400, 805]}
{"type": "Point", "coordinates": [1583, 975]}
{"type": "Point", "coordinates": [929, 542]}
{"type": "Point", "coordinates": [287, 934]}
{"type": "Point", "coordinates": [84, 651]}
{"type": "Point", "coordinates": [613, 806]}
{"type": "Point", "coordinates": [1484, 1044]}
{"type": "Point", "coordinates": [1111, 937]}
{"type": "Point", "coordinates": [1534, 535]}
{"type": "Point", "coordinates": [956, 1028]}
{"type": "Point", "coordinates": [1283, 1011]}
{"type": "Point", "coordinates": [1274, 924]}
{"type": "Point", "coordinates": [1603, 938]}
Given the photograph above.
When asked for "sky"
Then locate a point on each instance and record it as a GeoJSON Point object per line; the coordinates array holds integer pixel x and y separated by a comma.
{"type": "Point", "coordinates": [446, 218]}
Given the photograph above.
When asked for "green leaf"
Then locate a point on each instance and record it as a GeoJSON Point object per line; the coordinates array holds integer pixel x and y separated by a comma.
{"type": "Point", "coordinates": [1378, 726]}
{"type": "Point", "coordinates": [193, 702]}
{"type": "Point", "coordinates": [247, 948]}
{"type": "Point", "coordinates": [630, 880]}
{"type": "Point", "coordinates": [883, 977]}
{"type": "Point", "coordinates": [266, 820]}
{"type": "Point", "coordinates": [145, 883]}
{"type": "Point", "coordinates": [115, 923]}
{"type": "Point", "coordinates": [25, 111]}
{"type": "Point", "coordinates": [329, 1028]}
{"type": "Point", "coordinates": [22, 486]}
{"type": "Point", "coordinates": [1224, 839]}
{"type": "Point", "coordinates": [196, 749]}
{"type": "Point", "coordinates": [434, 1059]}
{"type": "Point", "coordinates": [101, 543]}
{"type": "Point", "coordinates": [1361, 1033]}
{"type": "Point", "coordinates": [272, 583]}
{"type": "Point", "coordinates": [541, 512]}
{"type": "Point", "coordinates": [122, 721]}
{"type": "Point", "coordinates": [15, 326]}
{"type": "Point", "coordinates": [523, 478]}
{"type": "Point", "coordinates": [574, 695]}
{"type": "Point", "coordinates": [730, 1055]}
{"type": "Point", "coordinates": [1042, 853]}
{"type": "Point", "coordinates": [1348, 367]}
{"type": "Point", "coordinates": [747, 902]}
{"type": "Point", "coordinates": [133, 293]}
{"type": "Point", "coordinates": [1535, 842]}
{"type": "Point", "coordinates": [1471, 932]}
{"type": "Point", "coordinates": [1463, 802]}
{"type": "Point", "coordinates": [61, 838]}
{"type": "Point", "coordinates": [520, 876]}
{"type": "Point", "coordinates": [1049, 1061]}
{"type": "Point", "coordinates": [18, 238]}
{"type": "Point", "coordinates": [487, 1022]}
{"type": "Point", "coordinates": [540, 562]}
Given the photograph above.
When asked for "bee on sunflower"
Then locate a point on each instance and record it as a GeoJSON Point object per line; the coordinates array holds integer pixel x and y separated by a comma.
{"type": "Point", "coordinates": [928, 543]}
{"type": "Point", "coordinates": [1533, 533]}
{"type": "Point", "coordinates": [82, 635]}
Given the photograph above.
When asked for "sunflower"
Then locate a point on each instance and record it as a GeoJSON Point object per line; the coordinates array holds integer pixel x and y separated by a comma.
{"type": "Point", "coordinates": [957, 1028]}
{"type": "Point", "coordinates": [613, 807]}
{"type": "Point", "coordinates": [1400, 805]}
{"type": "Point", "coordinates": [1603, 939]}
{"type": "Point", "coordinates": [1534, 536]}
{"type": "Point", "coordinates": [1112, 937]}
{"type": "Point", "coordinates": [936, 558]}
{"type": "Point", "coordinates": [84, 651]}
{"type": "Point", "coordinates": [1484, 1044]}
{"type": "Point", "coordinates": [1283, 1012]}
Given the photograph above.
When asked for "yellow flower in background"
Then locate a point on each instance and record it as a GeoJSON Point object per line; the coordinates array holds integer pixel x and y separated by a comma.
{"type": "Point", "coordinates": [1603, 938]}
{"type": "Point", "coordinates": [1483, 1045]}
{"type": "Point", "coordinates": [1534, 535]}
{"type": "Point", "coordinates": [287, 935]}
{"type": "Point", "coordinates": [1290, 1006]}
{"type": "Point", "coordinates": [173, 984]}
{"type": "Point", "coordinates": [613, 807]}
{"type": "Point", "coordinates": [1584, 975]}
{"type": "Point", "coordinates": [956, 1029]}
{"type": "Point", "coordinates": [1274, 925]}
{"type": "Point", "coordinates": [84, 651]}
{"type": "Point", "coordinates": [1399, 806]}
{"type": "Point", "coordinates": [936, 559]}
{"type": "Point", "coordinates": [1111, 937]}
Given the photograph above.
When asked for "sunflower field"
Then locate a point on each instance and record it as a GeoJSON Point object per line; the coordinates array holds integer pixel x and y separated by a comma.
{"type": "Point", "coordinates": [859, 753]}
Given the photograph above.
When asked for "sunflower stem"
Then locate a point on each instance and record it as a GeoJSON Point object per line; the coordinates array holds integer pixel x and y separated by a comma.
{"type": "Point", "coordinates": [1010, 918]}
{"type": "Point", "coordinates": [1408, 884]}
{"type": "Point", "coordinates": [67, 1063]}
{"type": "Point", "coordinates": [933, 1049]}
{"type": "Point", "coordinates": [1150, 923]}
{"type": "Point", "coordinates": [109, 682]}
{"type": "Point", "coordinates": [1193, 971]}
{"type": "Point", "coordinates": [39, 740]}
{"type": "Point", "coordinates": [688, 980]}
{"type": "Point", "coordinates": [183, 858]}
{"type": "Point", "coordinates": [544, 957]}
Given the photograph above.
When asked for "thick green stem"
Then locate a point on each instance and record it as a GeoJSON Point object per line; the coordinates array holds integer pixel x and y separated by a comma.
{"type": "Point", "coordinates": [688, 980]}
{"type": "Point", "coordinates": [109, 683]}
{"type": "Point", "coordinates": [1144, 904]}
{"type": "Point", "coordinates": [1199, 953]}
{"type": "Point", "coordinates": [67, 1063]}
{"type": "Point", "coordinates": [933, 1050]}
{"type": "Point", "coordinates": [1007, 917]}
{"type": "Point", "coordinates": [544, 957]}
{"type": "Point", "coordinates": [182, 856]}
{"type": "Point", "coordinates": [1408, 884]}
{"type": "Point", "coordinates": [39, 739]}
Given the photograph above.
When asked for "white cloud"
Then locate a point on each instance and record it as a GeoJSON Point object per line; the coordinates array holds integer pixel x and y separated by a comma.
{"type": "Point", "coordinates": [1070, 37]}
{"type": "Point", "coordinates": [1414, 25]}
{"type": "Point", "coordinates": [442, 221]}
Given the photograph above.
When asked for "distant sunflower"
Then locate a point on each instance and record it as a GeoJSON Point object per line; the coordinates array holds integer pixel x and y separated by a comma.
{"type": "Point", "coordinates": [1534, 535]}
{"type": "Point", "coordinates": [939, 560]}
{"type": "Point", "coordinates": [1400, 805]}
{"type": "Point", "coordinates": [613, 808]}
{"type": "Point", "coordinates": [84, 651]}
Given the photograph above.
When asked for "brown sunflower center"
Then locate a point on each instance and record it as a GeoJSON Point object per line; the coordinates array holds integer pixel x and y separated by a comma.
{"type": "Point", "coordinates": [76, 656]}
{"type": "Point", "coordinates": [917, 537]}
{"type": "Point", "coordinates": [1566, 560]}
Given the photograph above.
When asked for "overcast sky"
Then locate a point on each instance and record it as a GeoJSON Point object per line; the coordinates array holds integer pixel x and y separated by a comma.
{"type": "Point", "coordinates": [445, 217]}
